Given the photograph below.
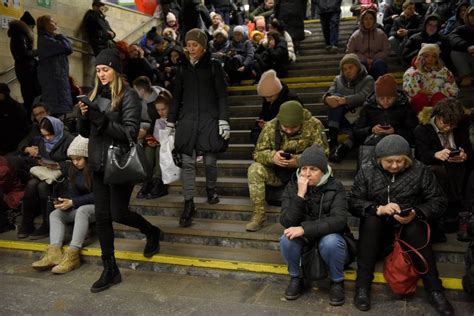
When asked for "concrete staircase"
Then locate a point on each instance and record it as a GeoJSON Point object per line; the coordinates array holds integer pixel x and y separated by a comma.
{"type": "Point", "coordinates": [217, 243]}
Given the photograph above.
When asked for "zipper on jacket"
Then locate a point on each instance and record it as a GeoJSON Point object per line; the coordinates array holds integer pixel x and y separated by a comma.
{"type": "Point", "coordinates": [388, 188]}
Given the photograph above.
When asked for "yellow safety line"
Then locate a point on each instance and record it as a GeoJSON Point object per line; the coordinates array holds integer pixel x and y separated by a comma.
{"type": "Point", "coordinates": [448, 283]}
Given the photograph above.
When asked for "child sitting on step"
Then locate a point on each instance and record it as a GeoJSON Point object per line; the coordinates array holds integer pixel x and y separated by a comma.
{"type": "Point", "coordinates": [78, 208]}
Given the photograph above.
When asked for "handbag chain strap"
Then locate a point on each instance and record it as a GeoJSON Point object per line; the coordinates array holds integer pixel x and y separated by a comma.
{"type": "Point", "coordinates": [416, 250]}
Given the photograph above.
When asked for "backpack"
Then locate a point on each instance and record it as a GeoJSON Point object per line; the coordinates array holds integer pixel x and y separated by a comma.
{"type": "Point", "coordinates": [468, 279]}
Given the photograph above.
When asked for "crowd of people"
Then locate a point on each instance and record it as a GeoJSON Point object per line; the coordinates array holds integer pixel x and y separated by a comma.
{"type": "Point", "coordinates": [415, 143]}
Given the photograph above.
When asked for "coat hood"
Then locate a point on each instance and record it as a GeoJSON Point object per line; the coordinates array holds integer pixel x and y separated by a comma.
{"type": "Point", "coordinates": [431, 17]}
{"type": "Point", "coordinates": [360, 76]}
{"type": "Point", "coordinates": [18, 28]}
{"type": "Point", "coordinates": [362, 16]}
{"type": "Point", "coordinates": [425, 115]}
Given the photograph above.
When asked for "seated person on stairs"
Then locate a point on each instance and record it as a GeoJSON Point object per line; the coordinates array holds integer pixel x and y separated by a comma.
{"type": "Point", "coordinates": [314, 210]}
{"type": "Point", "coordinates": [412, 187]}
{"type": "Point", "coordinates": [387, 111]}
{"type": "Point", "coordinates": [344, 99]}
{"type": "Point", "coordinates": [77, 208]}
{"type": "Point", "coordinates": [443, 129]}
{"type": "Point", "coordinates": [274, 93]}
{"type": "Point", "coordinates": [277, 152]}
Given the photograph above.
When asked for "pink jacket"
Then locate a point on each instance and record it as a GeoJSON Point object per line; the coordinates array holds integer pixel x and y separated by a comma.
{"type": "Point", "coordinates": [369, 44]}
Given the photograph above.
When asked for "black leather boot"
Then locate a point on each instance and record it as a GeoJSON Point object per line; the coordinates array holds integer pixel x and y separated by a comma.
{"type": "Point", "coordinates": [158, 189]}
{"type": "Point", "coordinates": [339, 153]}
{"type": "Point", "coordinates": [212, 197]}
{"type": "Point", "coordinates": [188, 213]}
{"type": "Point", "coordinates": [439, 301]}
{"type": "Point", "coordinates": [294, 289]}
{"type": "Point", "coordinates": [27, 219]}
{"type": "Point", "coordinates": [145, 189]}
{"type": "Point", "coordinates": [153, 239]}
{"type": "Point", "coordinates": [110, 275]}
{"type": "Point", "coordinates": [337, 296]}
{"type": "Point", "coordinates": [362, 299]}
{"type": "Point", "coordinates": [43, 230]}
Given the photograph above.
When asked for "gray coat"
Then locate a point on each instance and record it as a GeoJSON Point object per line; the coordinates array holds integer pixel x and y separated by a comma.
{"type": "Point", "coordinates": [53, 72]}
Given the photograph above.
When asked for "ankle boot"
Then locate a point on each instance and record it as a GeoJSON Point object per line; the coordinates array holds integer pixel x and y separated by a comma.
{"type": "Point", "coordinates": [43, 230]}
{"type": "Point", "coordinates": [212, 197]}
{"type": "Point", "coordinates": [144, 190]}
{"type": "Point", "coordinates": [339, 153]}
{"type": "Point", "coordinates": [51, 258]}
{"type": "Point", "coordinates": [188, 213]}
{"type": "Point", "coordinates": [27, 220]}
{"type": "Point", "coordinates": [440, 303]}
{"type": "Point", "coordinates": [256, 223]}
{"type": "Point", "coordinates": [463, 235]}
{"type": "Point", "coordinates": [110, 275]}
{"type": "Point", "coordinates": [337, 295]}
{"type": "Point", "coordinates": [294, 289]}
{"type": "Point", "coordinates": [153, 238]}
{"type": "Point", "coordinates": [158, 189]}
{"type": "Point", "coordinates": [362, 299]}
{"type": "Point", "coordinates": [69, 262]}
{"type": "Point", "coordinates": [332, 137]}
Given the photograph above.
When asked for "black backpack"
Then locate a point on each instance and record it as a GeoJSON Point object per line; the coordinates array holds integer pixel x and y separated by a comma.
{"type": "Point", "coordinates": [468, 279]}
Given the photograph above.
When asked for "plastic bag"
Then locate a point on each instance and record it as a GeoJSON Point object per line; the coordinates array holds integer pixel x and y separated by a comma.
{"type": "Point", "coordinates": [169, 171]}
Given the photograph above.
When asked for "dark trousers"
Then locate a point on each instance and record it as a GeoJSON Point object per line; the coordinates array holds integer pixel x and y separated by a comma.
{"type": "Point", "coordinates": [375, 233]}
{"type": "Point", "coordinates": [378, 68]}
{"type": "Point", "coordinates": [36, 197]}
{"type": "Point", "coordinates": [111, 205]}
{"type": "Point", "coordinates": [330, 26]}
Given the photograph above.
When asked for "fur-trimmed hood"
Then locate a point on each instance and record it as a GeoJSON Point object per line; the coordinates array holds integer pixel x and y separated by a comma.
{"type": "Point", "coordinates": [425, 115]}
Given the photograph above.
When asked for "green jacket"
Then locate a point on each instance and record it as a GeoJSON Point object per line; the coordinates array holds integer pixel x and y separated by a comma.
{"type": "Point", "coordinates": [312, 132]}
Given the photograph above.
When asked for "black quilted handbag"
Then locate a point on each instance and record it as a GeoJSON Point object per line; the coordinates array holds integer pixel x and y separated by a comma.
{"type": "Point", "coordinates": [126, 164]}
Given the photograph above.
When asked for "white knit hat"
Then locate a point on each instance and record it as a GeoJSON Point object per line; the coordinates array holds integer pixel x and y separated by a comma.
{"type": "Point", "coordinates": [78, 147]}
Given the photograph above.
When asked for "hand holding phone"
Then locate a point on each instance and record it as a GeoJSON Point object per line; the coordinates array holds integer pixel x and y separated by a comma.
{"type": "Point", "coordinates": [454, 153]}
{"type": "Point", "coordinates": [405, 212]}
{"type": "Point", "coordinates": [84, 99]}
{"type": "Point", "coordinates": [385, 126]}
{"type": "Point", "coordinates": [287, 156]}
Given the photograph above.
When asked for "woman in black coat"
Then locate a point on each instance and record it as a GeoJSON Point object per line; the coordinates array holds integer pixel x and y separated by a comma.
{"type": "Point", "coordinates": [391, 182]}
{"type": "Point", "coordinates": [292, 13]}
{"type": "Point", "coordinates": [52, 149]}
{"type": "Point", "coordinates": [274, 56]}
{"type": "Point", "coordinates": [200, 114]}
{"type": "Point", "coordinates": [114, 118]}
{"type": "Point", "coordinates": [53, 67]}
{"type": "Point", "coordinates": [314, 210]}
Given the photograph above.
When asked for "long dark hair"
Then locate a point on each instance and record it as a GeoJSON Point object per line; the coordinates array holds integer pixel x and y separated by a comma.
{"type": "Point", "coordinates": [73, 172]}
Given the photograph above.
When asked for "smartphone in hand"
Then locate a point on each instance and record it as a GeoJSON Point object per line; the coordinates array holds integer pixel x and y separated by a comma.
{"type": "Point", "coordinates": [287, 156]}
{"type": "Point", "coordinates": [84, 99]}
{"type": "Point", "coordinates": [454, 153]}
{"type": "Point", "coordinates": [405, 212]}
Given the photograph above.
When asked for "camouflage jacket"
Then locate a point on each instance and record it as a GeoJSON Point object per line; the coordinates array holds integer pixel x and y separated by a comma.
{"type": "Point", "coordinates": [312, 132]}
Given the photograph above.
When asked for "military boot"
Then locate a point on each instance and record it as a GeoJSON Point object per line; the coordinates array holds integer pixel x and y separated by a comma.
{"type": "Point", "coordinates": [258, 218]}
{"type": "Point", "coordinates": [51, 258]}
{"type": "Point", "coordinates": [70, 261]}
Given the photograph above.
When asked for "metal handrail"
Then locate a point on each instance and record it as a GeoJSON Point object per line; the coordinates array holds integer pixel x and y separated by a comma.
{"type": "Point", "coordinates": [75, 39]}
{"type": "Point", "coordinates": [9, 69]}
{"type": "Point", "coordinates": [138, 28]}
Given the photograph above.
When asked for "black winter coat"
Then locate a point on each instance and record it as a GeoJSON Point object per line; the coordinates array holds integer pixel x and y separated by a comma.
{"type": "Point", "coordinates": [119, 122]}
{"type": "Point", "coordinates": [276, 58]}
{"type": "Point", "coordinates": [416, 187]}
{"type": "Point", "coordinates": [292, 13]}
{"type": "Point", "coordinates": [400, 116]}
{"type": "Point", "coordinates": [191, 15]}
{"type": "Point", "coordinates": [21, 44]}
{"type": "Point", "coordinates": [428, 143]}
{"type": "Point", "coordinates": [97, 28]}
{"type": "Point", "coordinates": [77, 189]}
{"type": "Point", "coordinates": [199, 102]}
{"type": "Point", "coordinates": [330, 199]}
{"type": "Point", "coordinates": [461, 38]}
{"type": "Point", "coordinates": [328, 6]}
{"type": "Point", "coordinates": [53, 72]}
{"type": "Point", "coordinates": [413, 24]}
{"type": "Point", "coordinates": [13, 125]}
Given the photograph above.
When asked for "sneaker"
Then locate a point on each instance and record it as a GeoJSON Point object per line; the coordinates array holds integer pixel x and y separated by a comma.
{"type": "Point", "coordinates": [25, 230]}
{"type": "Point", "coordinates": [328, 47]}
{"type": "Point", "coordinates": [40, 233]}
{"type": "Point", "coordinates": [294, 289]}
{"type": "Point", "coordinates": [337, 296]}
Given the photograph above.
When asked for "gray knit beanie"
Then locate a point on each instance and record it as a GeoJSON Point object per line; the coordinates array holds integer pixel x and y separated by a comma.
{"type": "Point", "coordinates": [78, 147]}
{"type": "Point", "coordinates": [314, 156]}
{"type": "Point", "coordinates": [392, 145]}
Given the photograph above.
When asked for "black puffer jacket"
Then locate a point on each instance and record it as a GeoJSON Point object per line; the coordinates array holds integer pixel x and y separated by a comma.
{"type": "Point", "coordinates": [97, 29]}
{"type": "Point", "coordinates": [21, 43]}
{"type": "Point", "coordinates": [413, 24]}
{"type": "Point", "coordinates": [270, 110]}
{"type": "Point", "coordinates": [400, 116]}
{"type": "Point", "coordinates": [199, 102]}
{"type": "Point", "coordinates": [415, 187]}
{"type": "Point", "coordinates": [330, 198]}
{"type": "Point", "coordinates": [292, 13]}
{"type": "Point", "coordinates": [119, 122]}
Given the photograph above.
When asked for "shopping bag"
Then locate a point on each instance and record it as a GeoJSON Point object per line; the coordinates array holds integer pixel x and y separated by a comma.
{"type": "Point", "coordinates": [169, 171]}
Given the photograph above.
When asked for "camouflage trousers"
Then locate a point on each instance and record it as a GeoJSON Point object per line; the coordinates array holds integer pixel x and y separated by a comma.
{"type": "Point", "coordinates": [258, 177]}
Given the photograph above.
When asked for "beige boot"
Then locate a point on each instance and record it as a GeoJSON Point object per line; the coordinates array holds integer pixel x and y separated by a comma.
{"type": "Point", "coordinates": [256, 223]}
{"type": "Point", "coordinates": [51, 257]}
{"type": "Point", "coordinates": [69, 262]}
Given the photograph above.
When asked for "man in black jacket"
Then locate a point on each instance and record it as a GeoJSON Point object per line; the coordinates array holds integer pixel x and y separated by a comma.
{"type": "Point", "coordinates": [97, 28]}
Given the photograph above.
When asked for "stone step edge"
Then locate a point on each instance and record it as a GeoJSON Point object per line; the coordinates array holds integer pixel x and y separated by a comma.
{"type": "Point", "coordinates": [343, 18]}
{"type": "Point", "coordinates": [209, 263]}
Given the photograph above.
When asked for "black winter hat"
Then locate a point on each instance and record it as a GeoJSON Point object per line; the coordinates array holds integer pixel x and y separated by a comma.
{"type": "Point", "coordinates": [314, 156]}
{"type": "Point", "coordinates": [109, 57]}
{"type": "Point", "coordinates": [28, 18]}
{"type": "Point", "coordinates": [392, 145]}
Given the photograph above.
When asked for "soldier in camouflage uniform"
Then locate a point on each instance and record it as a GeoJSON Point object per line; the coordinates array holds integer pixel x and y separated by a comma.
{"type": "Point", "coordinates": [291, 132]}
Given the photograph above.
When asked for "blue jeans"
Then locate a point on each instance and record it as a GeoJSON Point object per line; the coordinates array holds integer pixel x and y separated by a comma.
{"type": "Point", "coordinates": [332, 248]}
{"type": "Point", "coordinates": [379, 68]}
{"type": "Point", "coordinates": [330, 26]}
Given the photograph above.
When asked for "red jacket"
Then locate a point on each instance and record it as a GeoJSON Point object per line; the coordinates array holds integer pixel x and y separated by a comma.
{"type": "Point", "coordinates": [11, 187]}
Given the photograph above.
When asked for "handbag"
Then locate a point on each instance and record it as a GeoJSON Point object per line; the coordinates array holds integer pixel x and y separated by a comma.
{"type": "Point", "coordinates": [313, 266]}
{"type": "Point", "coordinates": [399, 270]}
{"type": "Point", "coordinates": [126, 165]}
{"type": "Point", "coordinates": [46, 174]}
